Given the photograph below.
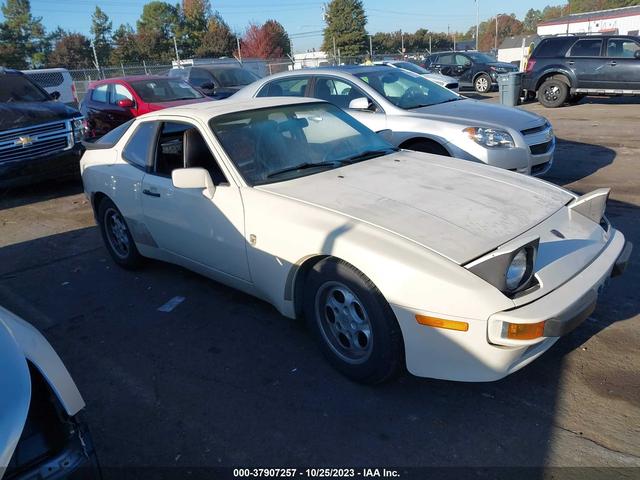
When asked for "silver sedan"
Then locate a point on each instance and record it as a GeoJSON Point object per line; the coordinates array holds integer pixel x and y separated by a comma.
{"type": "Point", "coordinates": [423, 116]}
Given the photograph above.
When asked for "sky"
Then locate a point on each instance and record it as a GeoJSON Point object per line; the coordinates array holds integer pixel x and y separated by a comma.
{"type": "Point", "coordinates": [301, 18]}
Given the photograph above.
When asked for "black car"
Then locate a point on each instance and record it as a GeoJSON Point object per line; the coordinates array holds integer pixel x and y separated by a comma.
{"type": "Point", "coordinates": [216, 80]}
{"type": "Point", "coordinates": [472, 69]}
{"type": "Point", "coordinates": [566, 68]}
{"type": "Point", "coordinates": [40, 138]}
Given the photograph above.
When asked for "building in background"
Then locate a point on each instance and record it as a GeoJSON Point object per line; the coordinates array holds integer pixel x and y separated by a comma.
{"type": "Point", "coordinates": [617, 21]}
{"type": "Point", "coordinates": [309, 60]}
{"type": "Point", "coordinates": [515, 49]}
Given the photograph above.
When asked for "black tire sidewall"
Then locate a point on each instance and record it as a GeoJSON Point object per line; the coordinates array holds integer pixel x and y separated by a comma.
{"type": "Point", "coordinates": [387, 355]}
{"type": "Point", "coordinates": [475, 83]}
{"type": "Point", "coordinates": [564, 95]}
{"type": "Point", "coordinates": [133, 259]}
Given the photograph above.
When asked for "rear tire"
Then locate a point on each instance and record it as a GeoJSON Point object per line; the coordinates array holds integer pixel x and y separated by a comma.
{"type": "Point", "coordinates": [117, 236]}
{"type": "Point", "coordinates": [553, 93]}
{"type": "Point", "coordinates": [482, 83]}
{"type": "Point", "coordinates": [352, 322]}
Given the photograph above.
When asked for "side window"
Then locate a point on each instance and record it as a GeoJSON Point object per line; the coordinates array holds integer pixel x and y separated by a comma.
{"type": "Point", "coordinates": [287, 87]}
{"type": "Point", "coordinates": [622, 48]}
{"type": "Point", "coordinates": [120, 92]}
{"type": "Point", "coordinates": [136, 151]}
{"type": "Point", "coordinates": [335, 91]}
{"type": "Point", "coordinates": [101, 94]}
{"type": "Point", "coordinates": [446, 59]}
{"type": "Point", "coordinates": [181, 145]}
{"type": "Point", "coordinates": [463, 60]}
{"type": "Point", "coordinates": [587, 47]}
{"type": "Point", "coordinates": [199, 77]}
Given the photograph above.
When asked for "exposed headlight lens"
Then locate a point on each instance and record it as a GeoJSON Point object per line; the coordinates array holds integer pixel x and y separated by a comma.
{"type": "Point", "coordinates": [77, 124]}
{"type": "Point", "coordinates": [490, 137]}
{"type": "Point", "coordinates": [516, 270]}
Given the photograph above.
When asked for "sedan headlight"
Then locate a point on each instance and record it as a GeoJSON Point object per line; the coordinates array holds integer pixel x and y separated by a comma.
{"type": "Point", "coordinates": [490, 137]}
{"type": "Point", "coordinates": [516, 270]}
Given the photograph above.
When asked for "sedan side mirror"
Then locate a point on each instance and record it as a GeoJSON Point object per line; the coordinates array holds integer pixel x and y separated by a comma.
{"type": "Point", "coordinates": [126, 103]}
{"type": "Point", "coordinates": [193, 178]}
{"type": "Point", "coordinates": [55, 95]}
{"type": "Point", "coordinates": [209, 86]}
{"type": "Point", "coordinates": [361, 103]}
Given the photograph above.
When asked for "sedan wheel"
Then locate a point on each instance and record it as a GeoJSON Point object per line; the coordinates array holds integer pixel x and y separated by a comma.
{"type": "Point", "coordinates": [116, 235]}
{"type": "Point", "coordinates": [352, 322]}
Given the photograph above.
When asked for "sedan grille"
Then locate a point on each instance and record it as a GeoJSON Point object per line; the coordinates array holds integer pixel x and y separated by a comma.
{"type": "Point", "coordinates": [35, 141]}
{"type": "Point", "coordinates": [540, 148]}
{"type": "Point", "coordinates": [531, 131]}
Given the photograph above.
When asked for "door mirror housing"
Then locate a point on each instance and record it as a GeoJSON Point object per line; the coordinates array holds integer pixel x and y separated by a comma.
{"type": "Point", "coordinates": [387, 134]}
{"type": "Point", "coordinates": [195, 177]}
{"type": "Point", "coordinates": [55, 95]}
{"type": "Point", "coordinates": [361, 103]}
{"type": "Point", "coordinates": [209, 87]}
{"type": "Point", "coordinates": [126, 103]}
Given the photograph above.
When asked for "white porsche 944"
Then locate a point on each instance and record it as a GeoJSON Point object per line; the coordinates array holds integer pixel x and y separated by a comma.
{"type": "Point", "coordinates": [457, 270]}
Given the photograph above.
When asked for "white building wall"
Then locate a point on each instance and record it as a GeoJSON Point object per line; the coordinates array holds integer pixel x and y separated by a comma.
{"type": "Point", "coordinates": [619, 25]}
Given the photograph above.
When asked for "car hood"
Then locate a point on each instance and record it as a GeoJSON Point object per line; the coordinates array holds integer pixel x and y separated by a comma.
{"type": "Point", "coordinates": [15, 385]}
{"type": "Point", "coordinates": [473, 112]}
{"type": "Point", "coordinates": [456, 208]}
{"type": "Point", "coordinates": [24, 114]}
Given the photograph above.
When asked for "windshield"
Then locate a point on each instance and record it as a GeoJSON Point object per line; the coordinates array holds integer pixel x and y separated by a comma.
{"type": "Point", "coordinates": [291, 141]}
{"type": "Point", "coordinates": [412, 67]}
{"type": "Point", "coordinates": [482, 57]}
{"type": "Point", "coordinates": [233, 77]}
{"type": "Point", "coordinates": [18, 88]}
{"type": "Point", "coordinates": [159, 90]}
{"type": "Point", "coordinates": [406, 90]}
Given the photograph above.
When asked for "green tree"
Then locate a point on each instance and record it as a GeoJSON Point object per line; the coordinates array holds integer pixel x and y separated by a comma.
{"type": "Point", "coordinates": [73, 50]}
{"type": "Point", "coordinates": [101, 28]}
{"type": "Point", "coordinates": [156, 26]}
{"type": "Point", "coordinates": [218, 40]}
{"type": "Point", "coordinates": [125, 46]}
{"type": "Point", "coordinates": [346, 22]}
{"type": "Point", "coordinates": [531, 20]}
{"type": "Point", "coordinates": [279, 37]}
{"type": "Point", "coordinates": [194, 25]}
{"type": "Point", "coordinates": [22, 36]}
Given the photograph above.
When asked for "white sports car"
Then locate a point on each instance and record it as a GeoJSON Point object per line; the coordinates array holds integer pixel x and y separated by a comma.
{"type": "Point", "coordinates": [457, 270]}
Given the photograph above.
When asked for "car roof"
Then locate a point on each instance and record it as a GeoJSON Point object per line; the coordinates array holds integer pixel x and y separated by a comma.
{"type": "Point", "coordinates": [214, 108]}
{"type": "Point", "coordinates": [127, 79]}
{"type": "Point", "coordinates": [340, 70]}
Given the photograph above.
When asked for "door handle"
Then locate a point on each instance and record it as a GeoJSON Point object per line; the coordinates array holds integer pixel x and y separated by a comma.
{"type": "Point", "coordinates": [613, 63]}
{"type": "Point", "coordinates": [571, 62]}
{"type": "Point", "coordinates": [150, 193]}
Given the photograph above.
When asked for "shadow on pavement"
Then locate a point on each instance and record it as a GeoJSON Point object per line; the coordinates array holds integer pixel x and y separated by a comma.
{"type": "Point", "coordinates": [576, 160]}
{"type": "Point", "coordinates": [20, 196]}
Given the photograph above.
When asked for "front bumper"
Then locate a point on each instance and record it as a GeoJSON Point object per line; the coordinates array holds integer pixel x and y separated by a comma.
{"type": "Point", "coordinates": [483, 352]}
{"type": "Point", "coordinates": [65, 163]}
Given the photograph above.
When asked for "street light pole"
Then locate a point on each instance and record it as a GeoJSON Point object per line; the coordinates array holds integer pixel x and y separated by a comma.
{"type": "Point", "coordinates": [175, 45]}
{"type": "Point", "coordinates": [371, 47]}
{"type": "Point", "coordinates": [477, 24]}
{"type": "Point", "coordinates": [496, 42]}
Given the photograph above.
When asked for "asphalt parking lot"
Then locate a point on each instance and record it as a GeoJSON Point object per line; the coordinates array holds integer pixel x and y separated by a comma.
{"type": "Point", "coordinates": [224, 380]}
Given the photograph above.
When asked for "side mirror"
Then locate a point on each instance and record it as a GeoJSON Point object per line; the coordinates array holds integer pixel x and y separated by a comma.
{"type": "Point", "coordinates": [126, 103]}
{"type": "Point", "coordinates": [193, 178]}
{"type": "Point", "coordinates": [361, 103]}
{"type": "Point", "coordinates": [209, 86]}
{"type": "Point", "coordinates": [387, 134]}
{"type": "Point", "coordinates": [55, 95]}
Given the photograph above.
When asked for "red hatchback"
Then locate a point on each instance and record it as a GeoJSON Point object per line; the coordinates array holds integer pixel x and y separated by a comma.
{"type": "Point", "coordinates": [110, 103]}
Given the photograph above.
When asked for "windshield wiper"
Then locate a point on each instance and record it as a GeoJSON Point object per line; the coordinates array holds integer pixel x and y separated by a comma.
{"type": "Point", "coordinates": [304, 166]}
{"type": "Point", "coordinates": [367, 154]}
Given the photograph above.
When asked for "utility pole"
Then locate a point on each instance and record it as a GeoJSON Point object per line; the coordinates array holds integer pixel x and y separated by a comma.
{"type": "Point", "coordinates": [175, 45]}
{"type": "Point", "coordinates": [429, 44]}
{"type": "Point", "coordinates": [334, 47]}
{"type": "Point", "coordinates": [371, 47]}
{"type": "Point", "coordinates": [477, 25]}
{"type": "Point", "coordinates": [495, 47]}
{"type": "Point", "coordinates": [95, 58]}
{"type": "Point", "coordinates": [402, 42]}
{"type": "Point", "coordinates": [239, 51]}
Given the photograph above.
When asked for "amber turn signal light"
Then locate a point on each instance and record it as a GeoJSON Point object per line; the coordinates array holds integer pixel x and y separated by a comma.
{"type": "Point", "coordinates": [442, 323]}
{"type": "Point", "coordinates": [525, 331]}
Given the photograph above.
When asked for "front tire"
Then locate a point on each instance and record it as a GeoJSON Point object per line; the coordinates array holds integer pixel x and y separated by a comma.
{"type": "Point", "coordinates": [553, 93]}
{"type": "Point", "coordinates": [117, 236]}
{"type": "Point", "coordinates": [354, 325]}
{"type": "Point", "coordinates": [482, 83]}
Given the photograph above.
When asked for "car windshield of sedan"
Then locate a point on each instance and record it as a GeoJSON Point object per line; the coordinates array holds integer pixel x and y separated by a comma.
{"type": "Point", "coordinates": [285, 142]}
{"type": "Point", "coordinates": [406, 90]}
{"type": "Point", "coordinates": [160, 90]}
{"type": "Point", "coordinates": [17, 88]}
